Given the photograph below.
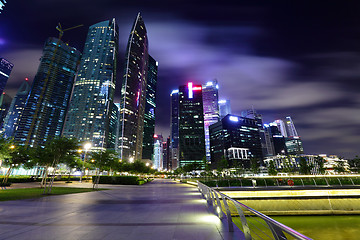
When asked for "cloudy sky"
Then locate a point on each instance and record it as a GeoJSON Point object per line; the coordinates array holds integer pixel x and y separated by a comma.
{"type": "Point", "coordinates": [285, 59]}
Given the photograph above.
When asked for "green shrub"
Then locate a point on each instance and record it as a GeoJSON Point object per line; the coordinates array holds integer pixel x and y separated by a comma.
{"type": "Point", "coordinates": [121, 180]}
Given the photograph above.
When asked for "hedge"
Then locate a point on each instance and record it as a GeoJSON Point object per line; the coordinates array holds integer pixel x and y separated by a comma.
{"type": "Point", "coordinates": [121, 180]}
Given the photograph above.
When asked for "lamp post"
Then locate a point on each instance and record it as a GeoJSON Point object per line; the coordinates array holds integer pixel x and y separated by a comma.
{"type": "Point", "coordinates": [87, 147]}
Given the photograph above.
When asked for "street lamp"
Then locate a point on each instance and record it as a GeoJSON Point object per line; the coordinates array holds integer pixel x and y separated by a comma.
{"type": "Point", "coordinates": [131, 160]}
{"type": "Point", "coordinates": [87, 147]}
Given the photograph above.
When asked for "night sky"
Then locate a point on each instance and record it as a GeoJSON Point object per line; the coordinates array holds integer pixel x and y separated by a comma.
{"type": "Point", "coordinates": [288, 58]}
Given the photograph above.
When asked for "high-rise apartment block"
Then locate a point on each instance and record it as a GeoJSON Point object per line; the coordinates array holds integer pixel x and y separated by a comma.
{"type": "Point", "coordinates": [133, 93]}
{"type": "Point", "coordinates": [16, 108]}
{"type": "Point", "coordinates": [91, 106]}
{"type": "Point", "coordinates": [150, 106]}
{"type": "Point", "coordinates": [5, 70]}
{"type": "Point", "coordinates": [44, 113]}
{"type": "Point", "coordinates": [191, 125]}
{"type": "Point", "coordinates": [210, 97]}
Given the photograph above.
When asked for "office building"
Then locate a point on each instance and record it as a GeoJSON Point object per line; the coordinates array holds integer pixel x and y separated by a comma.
{"type": "Point", "coordinates": [90, 110]}
{"type": "Point", "coordinates": [191, 125]}
{"type": "Point", "coordinates": [133, 93]}
{"type": "Point", "coordinates": [150, 106]}
{"type": "Point", "coordinates": [236, 139]}
{"type": "Point", "coordinates": [224, 108]}
{"type": "Point", "coordinates": [294, 146]}
{"type": "Point", "coordinates": [113, 127]}
{"type": "Point", "coordinates": [44, 113]}
{"type": "Point", "coordinates": [5, 70]}
{"type": "Point", "coordinates": [211, 110]}
{"type": "Point", "coordinates": [2, 5]}
{"type": "Point", "coordinates": [174, 128]}
{"type": "Point", "coordinates": [16, 108]}
{"type": "Point", "coordinates": [290, 127]}
{"type": "Point", "coordinates": [5, 102]}
{"type": "Point", "coordinates": [158, 152]}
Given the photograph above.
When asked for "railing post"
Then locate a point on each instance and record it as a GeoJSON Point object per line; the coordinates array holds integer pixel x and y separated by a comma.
{"type": "Point", "coordinates": [245, 226]}
{"type": "Point", "coordinates": [220, 213]}
{"type": "Point", "coordinates": [276, 231]}
{"type": "Point", "coordinates": [228, 214]}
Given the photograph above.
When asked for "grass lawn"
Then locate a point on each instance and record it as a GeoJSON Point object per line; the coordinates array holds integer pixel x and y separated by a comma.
{"type": "Point", "coordinates": [27, 193]}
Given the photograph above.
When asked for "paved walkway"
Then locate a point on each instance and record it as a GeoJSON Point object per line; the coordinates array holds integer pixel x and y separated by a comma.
{"type": "Point", "coordinates": [162, 209]}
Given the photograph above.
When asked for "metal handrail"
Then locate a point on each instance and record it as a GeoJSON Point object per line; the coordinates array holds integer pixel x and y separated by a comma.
{"type": "Point", "coordinates": [276, 228]}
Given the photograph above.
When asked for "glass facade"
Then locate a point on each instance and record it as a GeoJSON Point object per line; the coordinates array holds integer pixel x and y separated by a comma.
{"type": "Point", "coordinates": [174, 128]}
{"type": "Point", "coordinates": [91, 104]}
{"type": "Point", "coordinates": [191, 125]}
{"type": "Point", "coordinates": [211, 110]}
{"type": "Point", "coordinates": [236, 138]}
{"type": "Point", "coordinates": [150, 106]}
{"type": "Point", "coordinates": [16, 108]}
{"type": "Point", "coordinates": [224, 108]}
{"type": "Point", "coordinates": [133, 93]}
{"type": "Point", "coordinates": [44, 113]}
{"type": "Point", "coordinates": [5, 70]}
{"type": "Point", "coordinates": [5, 102]}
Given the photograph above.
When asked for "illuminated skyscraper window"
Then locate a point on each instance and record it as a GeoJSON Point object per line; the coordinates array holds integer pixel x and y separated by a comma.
{"type": "Point", "coordinates": [133, 93]}
{"type": "Point", "coordinates": [90, 110]}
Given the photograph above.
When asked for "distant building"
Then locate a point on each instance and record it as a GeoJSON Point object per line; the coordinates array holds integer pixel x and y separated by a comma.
{"type": "Point", "coordinates": [5, 70]}
{"type": "Point", "coordinates": [44, 113]}
{"type": "Point", "coordinates": [277, 139]}
{"type": "Point", "coordinates": [174, 128]}
{"type": "Point", "coordinates": [113, 126]}
{"type": "Point", "coordinates": [133, 92]}
{"type": "Point", "coordinates": [294, 146]}
{"type": "Point", "coordinates": [16, 108]}
{"type": "Point", "coordinates": [290, 127]}
{"type": "Point", "coordinates": [224, 108]}
{"type": "Point", "coordinates": [211, 110]}
{"type": "Point", "coordinates": [158, 155]}
{"type": "Point", "coordinates": [2, 5]}
{"type": "Point", "coordinates": [166, 154]}
{"type": "Point", "coordinates": [237, 139]}
{"type": "Point", "coordinates": [150, 106]}
{"type": "Point", "coordinates": [5, 102]}
{"type": "Point", "coordinates": [191, 125]}
{"type": "Point", "coordinates": [90, 110]}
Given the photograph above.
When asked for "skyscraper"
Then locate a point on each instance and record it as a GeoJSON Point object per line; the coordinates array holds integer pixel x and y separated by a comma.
{"type": "Point", "coordinates": [211, 110]}
{"type": "Point", "coordinates": [191, 125]}
{"type": "Point", "coordinates": [150, 106]}
{"type": "Point", "coordinates": [290, 127]}
{"type": "Point", "coordinates": [174, 128]}
{"type": "Point", "coordinates": [281, 126]}
{"type": "Point", "coordinates": [90, 109]}
{"type": "Point", "coordinates": [237, 139]}
{"type": "Point", "coordinates": [5, 102]}
{"type": "Point", "coordinates": [5, 70]}
{"type": "Point", "coordinates": [133, 93]}
{"type": "Point", "coordinates": [44, 113]}
{"type": "Point", "coordinates": [224, 108]}
{"type": "Point", "coordinates": [16, 108]}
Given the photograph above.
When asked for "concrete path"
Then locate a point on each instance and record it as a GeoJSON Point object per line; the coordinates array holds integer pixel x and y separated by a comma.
{"type": "Point", "coordinates": [160, 210]}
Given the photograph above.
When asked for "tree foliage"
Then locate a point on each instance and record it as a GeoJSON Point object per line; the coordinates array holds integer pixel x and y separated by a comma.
{"type": "Point", "coordinates": [271, 169]}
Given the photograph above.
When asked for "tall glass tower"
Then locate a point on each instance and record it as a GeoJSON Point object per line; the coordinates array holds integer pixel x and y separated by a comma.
{"type": "Point", "coordinates": [5, 70]}
{"type": "Point", "coordinates": [174, 128]}
{"type": "Point", "coordinates": [150, 106]}
{"type": "Point", "coordinates": [16, 109]}
{"type": "Point", "coordinates": [44, 113]}
{"type": "Point", "coordinates": [90, 110]}
{"type": "Point", "coordinates": [133, 93]}
{"type": "Point", "coordinates": [224, 108]}
{"type": "Point", "coordinates": [211, 110]}
{"type": "Point", "coordinates": [191, 125]}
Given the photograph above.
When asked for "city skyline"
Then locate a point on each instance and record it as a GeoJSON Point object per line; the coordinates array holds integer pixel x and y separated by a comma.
{"type": "Point", "coordinates": [283, 60]}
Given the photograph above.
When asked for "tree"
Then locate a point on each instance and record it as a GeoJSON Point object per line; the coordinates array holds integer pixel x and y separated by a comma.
{"type": "Point", "coordinates": [355, 163]}
{"type": "Point", "coordinates": [102, 161]}
{"type": "Point", "coordinates": [222, 164]}
{"type": "Point", "coordinates": [304, 166]}
{"type": "Point", "coordinates": [56, 151]}
{"type": "Point", "coordinates": [320, 163]}
{"type": "Point", "coordinates": [16, 156]}
{"type": "Point", "coordinates": [254, 164]}
{"type": "Point", "coordinates": [339, 167]}
{"type": "Point", "coordinates": [271, 169]}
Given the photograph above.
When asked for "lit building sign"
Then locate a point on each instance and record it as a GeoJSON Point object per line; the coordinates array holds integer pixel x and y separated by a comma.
{"type": "Point", "coordinates": [193, 88]}
{"type": "Point", "coordinates": [234, 119]}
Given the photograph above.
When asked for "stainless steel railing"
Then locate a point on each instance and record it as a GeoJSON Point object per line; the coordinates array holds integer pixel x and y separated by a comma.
{"type": "Point", "coordinates": [260, 226]}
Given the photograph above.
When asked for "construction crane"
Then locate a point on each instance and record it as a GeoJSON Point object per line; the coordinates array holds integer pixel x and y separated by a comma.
{"type": "Point", "coordinates": [61, 31]}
